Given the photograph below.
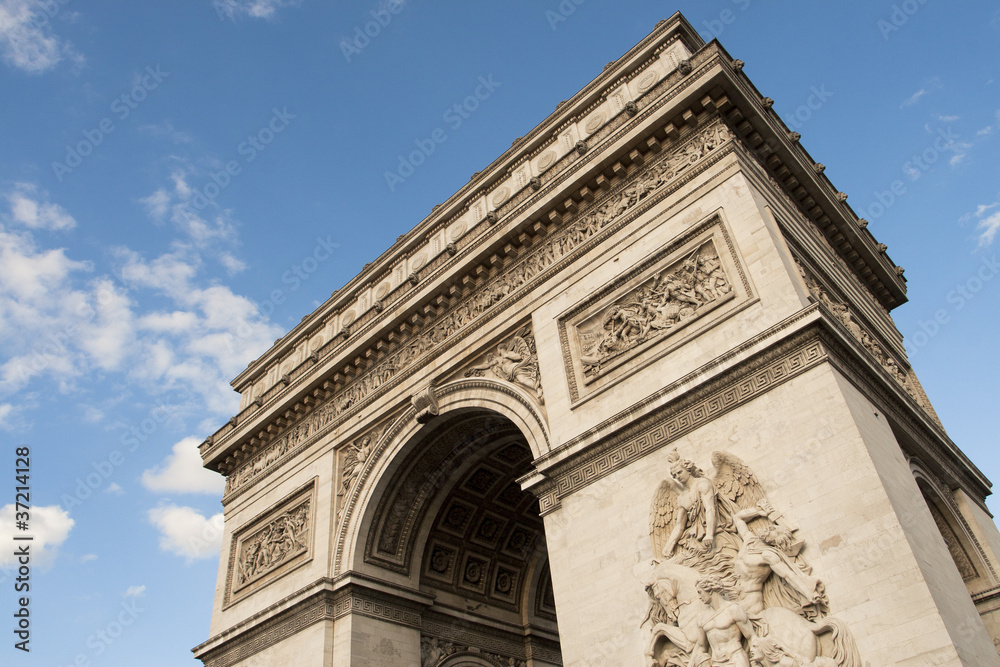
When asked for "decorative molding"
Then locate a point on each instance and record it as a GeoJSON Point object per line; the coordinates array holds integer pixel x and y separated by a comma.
{"type": "Point", "coordinates": [389, 437]}
{"type": "Point", "coordinates": [739, 386]}
{"type": "Point", "coordinates": [271, 632]}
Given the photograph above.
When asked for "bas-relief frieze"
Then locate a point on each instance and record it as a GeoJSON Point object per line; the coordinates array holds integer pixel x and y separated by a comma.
{"type": "Point", "coordinates": [540, 259]}
{"type": "Point", "coordinates": [279, 539]}
{"type": "Point", "coordinates": [848, 318]}
{"type": "Point", "coordinates": [657, 305]}
{"type": "Point", "coordinates": [730, 584]}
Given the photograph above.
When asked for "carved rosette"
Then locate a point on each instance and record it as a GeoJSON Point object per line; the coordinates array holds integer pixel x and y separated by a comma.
{"type": "Point", "coordinates": [515, 360]}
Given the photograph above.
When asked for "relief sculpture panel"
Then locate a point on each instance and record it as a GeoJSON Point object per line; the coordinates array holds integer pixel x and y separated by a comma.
{"type": "Point", "coordinates": [272, 544]}
{"type": "Point", "coordinates": [730, 585]}
{"type": "Point", "coordinates": [688, 285]}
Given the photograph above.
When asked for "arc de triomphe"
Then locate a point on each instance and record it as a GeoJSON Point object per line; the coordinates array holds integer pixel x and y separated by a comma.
{"type": "Point", "coordinates": [631, 396]}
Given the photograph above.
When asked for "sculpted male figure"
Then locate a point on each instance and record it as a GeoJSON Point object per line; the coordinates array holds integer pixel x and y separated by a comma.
{"type": "Point", "coordinates": [765, 554]}
{"type": "Point", "coordinates": [723, 627]}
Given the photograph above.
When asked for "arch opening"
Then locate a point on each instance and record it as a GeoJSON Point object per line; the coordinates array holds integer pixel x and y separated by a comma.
{"type": "Point", "coordinates": [454, 520]}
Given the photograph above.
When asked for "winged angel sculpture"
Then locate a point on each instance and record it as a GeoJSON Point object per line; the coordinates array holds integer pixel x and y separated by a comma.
{"type": "Point", "coordinates": [732, 589]}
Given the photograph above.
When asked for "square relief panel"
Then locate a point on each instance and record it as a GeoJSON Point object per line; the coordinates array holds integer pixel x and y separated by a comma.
{"type": "Point", "coordinates": [687, 286]}
{"type": "Point", "coordinates": [272, 545]}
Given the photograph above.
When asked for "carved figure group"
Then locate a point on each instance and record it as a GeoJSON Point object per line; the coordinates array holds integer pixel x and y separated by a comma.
{"type": "Point", "coordinates": [514, 360]}
{"type": "Point", "coordinates": [275, 543]}
{"type": "Point", "coordinates": [668, 299]}
{"type": "Point", "coordinates": [733, 589]}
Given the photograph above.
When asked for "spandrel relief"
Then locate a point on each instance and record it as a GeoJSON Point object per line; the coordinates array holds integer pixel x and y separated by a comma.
{"type": "Point", "coordinates": [729, 585]}
{"type": "Point", "coordinates": [514, 360]}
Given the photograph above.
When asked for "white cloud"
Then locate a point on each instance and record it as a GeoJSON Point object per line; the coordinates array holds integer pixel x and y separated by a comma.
{"type": "Point", "coordinates": [182, 472]}
{"type": "Point", "coordinates": [231, 263]}
{"type": "Point", "coordinates": [49, 525]}
{"type": "Point", "coordinates": [988, 227]}
{"type": "Point", "coordinates": [60, 322]}
{"type": "Point", "coordinates": [114, 488]}
{"type": "Point", "coordinates": [87, 558]}
{"type": "Point", "coordinates": [932, 84]}
{"type": "Point", "coordinates": [986, 131]}
{"type": "Point", "coordinates": [186, 532]}
{"type": "Point", "coordinates": [947, 119]}
{"type": "Point", "coordinates": [258, 9]}
{"type": "Point", "coordinates": [26, 209]}
{"type": "Point", "coordinates": [26, 37]}
{"type": "Point", "coordinates": [134, 592]}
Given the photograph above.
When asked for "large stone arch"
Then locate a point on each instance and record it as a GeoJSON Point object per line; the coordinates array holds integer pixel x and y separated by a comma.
{"type": "Point", "coordinates": [478, 394]}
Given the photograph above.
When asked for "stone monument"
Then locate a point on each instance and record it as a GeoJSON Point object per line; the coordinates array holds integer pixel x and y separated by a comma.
{"type": "Point", "coordinates": [632, 396]}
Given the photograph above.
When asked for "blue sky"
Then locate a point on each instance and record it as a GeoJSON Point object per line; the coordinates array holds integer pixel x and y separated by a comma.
{"type": "Point", "coordinates": [171, 171]}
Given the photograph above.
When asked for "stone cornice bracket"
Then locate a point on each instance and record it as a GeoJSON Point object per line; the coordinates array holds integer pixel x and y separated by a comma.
{"type": "Point", "coordinates": [425, 404]}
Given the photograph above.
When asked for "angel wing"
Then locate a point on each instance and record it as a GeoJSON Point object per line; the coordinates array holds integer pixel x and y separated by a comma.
{"type": "Point", "coordinates": [661, 515]}
{"type": "Point", "coordinates": [736, 482]}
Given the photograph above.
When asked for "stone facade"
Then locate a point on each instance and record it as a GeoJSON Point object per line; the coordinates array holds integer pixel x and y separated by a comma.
{"type": "Point", "coordinates": [631, 396]}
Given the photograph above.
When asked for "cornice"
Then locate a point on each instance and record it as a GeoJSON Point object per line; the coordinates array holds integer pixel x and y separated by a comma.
{"type": "Point", "coordinates": [666, 32]}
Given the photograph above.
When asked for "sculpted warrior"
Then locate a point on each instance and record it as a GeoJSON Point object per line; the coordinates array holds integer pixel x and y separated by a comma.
{"type": "Point", "coordinates": [723, 627]}
{"type": "Point", "coordinates": [768, 553]}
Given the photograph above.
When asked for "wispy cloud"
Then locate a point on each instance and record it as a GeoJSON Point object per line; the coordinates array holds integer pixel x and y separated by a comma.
{"type": "Point", "coordinates": [26, 38]}
{"type": "Point", "coordinates": [987, 217]}
{"type": "Point", "coordinates": [134, 592]}
{"type": "Point", "coordinates": [257, 9]}
{"type": "Point", "coordinates": [932, 84]}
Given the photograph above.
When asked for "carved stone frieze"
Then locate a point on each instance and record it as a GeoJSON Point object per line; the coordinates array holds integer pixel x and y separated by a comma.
{"type": "Point", "coordinates": [862, 334]}
{"type": "Point", "coordinates": [733, 582]}
{"type": "Point", "coordinates": [655, 308]}
{"type": "Point", "coordinates": [434, 651]}
{"type": "Point", "coordinates": [541, 259]}
{"type": "Point", "coordinates": [514, 360]}
{"type": "Point", "coordinates": [279, 540]}
{"type": "Point", "coordinates": [664, 299]}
